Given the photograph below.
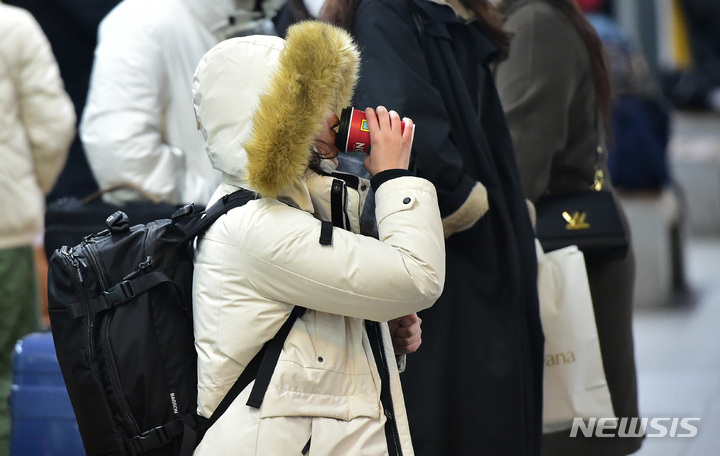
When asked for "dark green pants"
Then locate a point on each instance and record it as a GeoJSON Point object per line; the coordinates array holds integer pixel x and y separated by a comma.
{"type": "Point", "coordinates": [18, 317]}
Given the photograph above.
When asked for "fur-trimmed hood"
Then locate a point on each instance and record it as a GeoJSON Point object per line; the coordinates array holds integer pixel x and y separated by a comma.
{"type": "Point", "coordinates": [260, 101]}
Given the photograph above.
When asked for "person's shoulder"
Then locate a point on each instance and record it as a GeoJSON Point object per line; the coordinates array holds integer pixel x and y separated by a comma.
{"type": "Point", "coordinates": [382, 16]}
{"type": "Point", "coordinates": [382, 8]}
{"type": "Point", "coordinates": [132, 22]}
{"type": "Point", "coordinates": [15, 17]}
{"type": "Point", "coordinates": [542, 20]}
{"type": "Point", "coordinates": [538, 12]}
{"type": "Point", "coordinates": [141, 12]}
{"type": "Point", "coordinates": [12, 11]}
{"type": "Point", "coordinates": [20, 32]}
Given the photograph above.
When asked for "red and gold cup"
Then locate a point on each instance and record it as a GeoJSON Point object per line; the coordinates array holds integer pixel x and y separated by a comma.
{"type": "Point", "coordinates": [353, 132]}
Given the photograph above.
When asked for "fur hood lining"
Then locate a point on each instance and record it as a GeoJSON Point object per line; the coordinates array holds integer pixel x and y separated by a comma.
{"type": "Point", "coordinates": [317, 70]}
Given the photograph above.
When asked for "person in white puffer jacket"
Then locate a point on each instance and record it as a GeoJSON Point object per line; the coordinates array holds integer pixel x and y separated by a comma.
{"type": "Point", "coordinates": [137, 126]}
{"type": "Point", "coordinates": [37, 125]}
{"type": "Point", "coordinates": [270, 130]}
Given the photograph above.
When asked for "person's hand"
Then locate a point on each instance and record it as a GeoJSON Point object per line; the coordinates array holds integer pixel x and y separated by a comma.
{"type": "Point", "coordinates": [406, 334]}
{"type": "Point", "coordinates": [390, 147]}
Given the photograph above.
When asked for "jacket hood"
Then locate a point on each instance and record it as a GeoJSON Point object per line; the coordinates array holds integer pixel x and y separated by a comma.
{"type": "Point", "coordinates": [260, 101]}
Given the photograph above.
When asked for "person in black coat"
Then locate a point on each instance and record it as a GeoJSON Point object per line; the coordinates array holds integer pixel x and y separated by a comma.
{"type": "Point", "coordinates": [291, 12]}
{"type": "Point", "coordinates": [475, 384]}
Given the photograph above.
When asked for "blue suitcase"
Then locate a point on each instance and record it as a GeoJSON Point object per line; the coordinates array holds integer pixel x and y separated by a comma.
{"type": "Point", "coordinates": [43, 421]}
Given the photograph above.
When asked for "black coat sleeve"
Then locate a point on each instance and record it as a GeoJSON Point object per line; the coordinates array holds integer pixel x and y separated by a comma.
{"type": "Point", "coordinates": [395, 74]}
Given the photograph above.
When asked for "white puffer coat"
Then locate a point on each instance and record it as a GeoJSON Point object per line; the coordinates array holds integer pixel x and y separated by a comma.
{"type": "Point", "coordinates": [137, 126]}
{"type": "Point", "coordinates": [37, 125]}
{"type": "Point", "coordinates": [260, 260]}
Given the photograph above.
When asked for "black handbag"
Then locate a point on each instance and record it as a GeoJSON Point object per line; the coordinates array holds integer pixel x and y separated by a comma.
{"type": "Point", "coordinates": [590, 220]}
{"type": "Point", "coordinates": [69, 220]}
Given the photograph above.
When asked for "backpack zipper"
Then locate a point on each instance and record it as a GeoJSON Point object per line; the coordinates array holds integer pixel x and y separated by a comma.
{"type": "Point", "coordinates": [76, 261]}
{"type": "Point", "coordinates": [115, 382]}
{"type": "Point", "coordinates": [95, 263]}
{"type": "Point", "coordinates": [111, 365]}
{"type": "Point", "coordinates": [100, 273]}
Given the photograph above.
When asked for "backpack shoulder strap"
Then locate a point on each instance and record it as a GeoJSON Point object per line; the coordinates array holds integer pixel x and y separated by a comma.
{"type": "Point", "coordinates": [260, 369]}
{"type": "Point", "coordinates": [272, 350]}
{"type": "Point", "coordinates": [194, 225]}
{"type": "Point", "coordinates": [189, 425]}
{"type": "Point", "coordinates": [197, 225]}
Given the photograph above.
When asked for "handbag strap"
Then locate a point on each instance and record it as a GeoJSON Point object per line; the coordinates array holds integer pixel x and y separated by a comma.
{"type": "Point", "coordinates": [600, 156]}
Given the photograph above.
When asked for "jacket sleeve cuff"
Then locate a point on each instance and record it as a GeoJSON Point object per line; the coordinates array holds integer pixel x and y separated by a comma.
{"type": "Point", "coordinates": [472, 209]}
{"type": "Point", "coordinates": [384, 176]}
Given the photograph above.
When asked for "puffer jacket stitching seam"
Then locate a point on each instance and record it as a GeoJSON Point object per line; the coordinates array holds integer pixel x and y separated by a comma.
{"type": "Point", "coordinates": [315, 281]}
{"type": "Point", "coordinates": [321, 369]}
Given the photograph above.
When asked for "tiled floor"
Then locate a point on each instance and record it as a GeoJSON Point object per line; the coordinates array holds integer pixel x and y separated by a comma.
{"type": "Point", "coordinates": [678, 346]}
{"type": "Point", "coordinates": [678, 357]}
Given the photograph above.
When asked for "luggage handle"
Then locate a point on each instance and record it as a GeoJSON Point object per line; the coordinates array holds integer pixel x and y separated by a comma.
{"type": "Point", "coordinates": [123, 186]}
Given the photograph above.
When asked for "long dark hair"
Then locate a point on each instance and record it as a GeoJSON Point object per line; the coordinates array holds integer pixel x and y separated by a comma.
{"type": "Point", "coordinates": [342, 13]}
{"type": "Point", "coordinates": [599, 66]}
{"type": "Point", "coordinates": [298, 10]}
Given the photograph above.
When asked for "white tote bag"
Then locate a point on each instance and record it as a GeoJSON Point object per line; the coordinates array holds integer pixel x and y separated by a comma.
{"type": "Point", "coordinates": [574, 377]}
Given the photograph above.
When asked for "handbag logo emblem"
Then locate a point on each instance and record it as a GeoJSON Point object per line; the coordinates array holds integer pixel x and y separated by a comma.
{"type": "Point", "coordinates": [576, 221]}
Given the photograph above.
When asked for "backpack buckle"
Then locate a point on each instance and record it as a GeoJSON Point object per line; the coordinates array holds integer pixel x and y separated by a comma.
{"type": "Point", "coordinates": [185, 210]}
{"type": "Point", "coordinates": [118, 294]}
{"type": "Point", "coordinates": [148, 440]}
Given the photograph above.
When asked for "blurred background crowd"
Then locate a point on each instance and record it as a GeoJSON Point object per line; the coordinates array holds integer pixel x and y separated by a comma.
{"type": "Point", "coordinates": [663, 58]}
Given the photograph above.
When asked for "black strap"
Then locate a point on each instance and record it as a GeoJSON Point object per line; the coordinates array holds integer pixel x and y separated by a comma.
{"type": "Point", "coordinates": [337, 213]}
{"type": "Point", "coordinates": [186, 425]}
{"type": "Point", "coordinates": [378, 348]}
{"type": "Point", "coordinates": [189, 440]}
{"type": "Point", "coordinates": [156, 437]}
{"type": "Point", "coordinates": [125, 291]}
{"type": "Point", "coordinates": [306, 448]}
{"type": "Point", "coordinates": [326, 232]}
{"type": "Point", "coordinates": [270, 359]}
{"type": "Point", "coordinates": [197, 225]}
{"type": "Point", "coordinates": [264, 361]}
{"type": "Point", "coordinates": [120, 293]}
{"type": "Point", "coordinates": [337, 198]}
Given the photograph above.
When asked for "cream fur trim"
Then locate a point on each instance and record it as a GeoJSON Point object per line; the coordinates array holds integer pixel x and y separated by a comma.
{"type": "Point", "coordinates": [467, 215]}
{"type": "Point", "coordinates": [459, 9]}
{"type": "Point", "coordinates": [317, 70]}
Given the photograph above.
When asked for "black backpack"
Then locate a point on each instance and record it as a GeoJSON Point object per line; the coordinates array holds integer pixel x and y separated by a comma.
{"type": "Point", "coordinates": [120, 306]}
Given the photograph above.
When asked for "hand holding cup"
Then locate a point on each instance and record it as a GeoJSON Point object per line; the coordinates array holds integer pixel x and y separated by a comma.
{"type": "Point", "coordinates": [391, 140]}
